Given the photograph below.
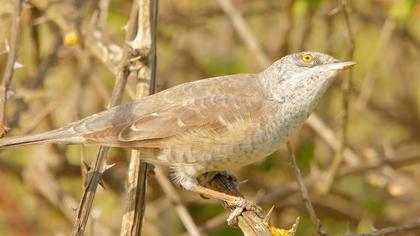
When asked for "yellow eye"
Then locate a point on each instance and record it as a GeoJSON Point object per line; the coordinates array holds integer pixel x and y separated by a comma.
{"type": "Point", "coordinates": [307, 58]}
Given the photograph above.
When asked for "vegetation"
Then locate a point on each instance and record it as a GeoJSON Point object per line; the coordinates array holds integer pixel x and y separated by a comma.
{"type": "Point", "coordinates": [359, 154]}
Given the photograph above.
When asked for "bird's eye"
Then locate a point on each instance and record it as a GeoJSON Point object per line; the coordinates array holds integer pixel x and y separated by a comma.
{"type": "Point", "coordinates": [307, 58]}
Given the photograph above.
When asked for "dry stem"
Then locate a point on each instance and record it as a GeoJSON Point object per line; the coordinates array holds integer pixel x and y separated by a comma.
{"type": "Point", "coordinates": [10, 66]}
{"type": "Point", "coordinates": [346, 88]}
{"type": "Point", "coordinates": [99, 163]}
{"type": "Point", "coordinates": [304, 192]}
{"type": "Point", "coordinates": [142, 45]}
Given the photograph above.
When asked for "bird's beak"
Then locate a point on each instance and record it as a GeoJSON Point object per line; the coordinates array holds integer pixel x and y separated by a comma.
{"type": "Point", "coordinates": [339, 65]}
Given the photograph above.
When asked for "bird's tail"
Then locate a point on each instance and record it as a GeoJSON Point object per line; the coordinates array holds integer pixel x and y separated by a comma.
{"type": "Point", "coordinates": [54, 136]}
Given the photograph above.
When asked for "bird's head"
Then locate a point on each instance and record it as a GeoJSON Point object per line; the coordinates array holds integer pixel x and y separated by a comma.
{"type": "Point", "coordinates": [310, 65]}
{"type": "Point", "coordinates": [302, 77]}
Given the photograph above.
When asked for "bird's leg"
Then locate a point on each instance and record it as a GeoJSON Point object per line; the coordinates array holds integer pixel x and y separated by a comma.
{"type": "Point", "coordinates": [239, 203]}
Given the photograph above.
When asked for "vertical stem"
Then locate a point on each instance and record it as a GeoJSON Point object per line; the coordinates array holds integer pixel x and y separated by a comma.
{"type": "Point", "coordinates": [304, 191]}
{"type": "Point", "coordinates": [10, 66]}
{"type": "Point", "coordinates": [146, 41]}
{"type": "Point", "coordinates": [99, 165]}
{"type": "Point", "coordinates": [346, 88]}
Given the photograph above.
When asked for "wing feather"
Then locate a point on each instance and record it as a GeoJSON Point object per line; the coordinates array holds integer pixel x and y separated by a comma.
{"type": "Point", "coordinates": [197, 118]}
{"type": "Point", "coordinates": [188, 110]}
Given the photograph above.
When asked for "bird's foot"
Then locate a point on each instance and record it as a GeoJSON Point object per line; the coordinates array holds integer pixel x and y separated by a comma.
{"type": "Point", "coordinates": [241, 204]}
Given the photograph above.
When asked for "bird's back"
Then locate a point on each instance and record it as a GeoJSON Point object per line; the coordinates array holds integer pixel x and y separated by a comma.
{"type": "Point", "coordinates": [167, 113]}
{"type": "Point", "coordinates": [239, 86]}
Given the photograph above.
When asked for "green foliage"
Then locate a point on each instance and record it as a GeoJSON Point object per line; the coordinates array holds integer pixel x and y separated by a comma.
{"type": "Point", "coordinates": [402, 10]}
{"type": "Point", "coordinates": [374, 204]}
{"type": "Point", "coordinates": [270, 163]}
{"type": "Point", "coordinates": [205, 211]}
{"type": "Point", "coordinates": [305, 155]}
{"type": "Point", "coordinates": [223, 67]}
{"type": "Point", "coordinates": [305, 227]}
{"type": "Point", "coordinates": [300, 7]}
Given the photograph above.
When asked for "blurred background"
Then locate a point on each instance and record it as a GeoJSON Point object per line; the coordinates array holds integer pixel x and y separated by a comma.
{"type": "Point", "coordinates": [59, 79]}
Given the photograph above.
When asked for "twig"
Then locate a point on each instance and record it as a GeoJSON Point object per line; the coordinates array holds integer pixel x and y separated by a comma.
{"type": "Point", "coordinates": [34, 35]}
{"type": "Point", "coordinates": [143, 44]}
{"type": "Point", "coordinates": [210, 224]}
{"type": "Point", "coordinates": [175, 199]}
{"type": "Point", "coordinates": [63, 14]}
{"type": "Point", "coordinates": [131, 222]}
{"type": "Point", "coordinates": [249, 222]}
{"type": "Point", "coordinates": [339, 206]}
{"type": "Point", "coordinates": [10, 66]}
{"type": "Point", "coordinates": [402, 32]}
{"type": "Point", "coordinates": [244, 31]}
{"type": "Point", "coordinates": [327, 134]}
{"type": "Point", "coordinates": [98, 42]}
{"type": "Point", "coordinates": [401, 159]}
{"type": "Point", "coordinates": [37, 81]}
{"type": "Point", "coordinates": [393, 230]}
{"type": "Point", "coordinates": [40, 117]}
{"type": "Point", "coordinates": [370, 78]}
{"type": "Point", "coordinates": [287, 33]}
{"type": "Point", "coordinates": [304, 192]}
{"type": "Point", "coordinates": [393, 162]}
{"type": "Point", "coordinates": [99, 163]}
{"type": "Point", "coordinates": [307, 28]}
{"type": "Point", "coordinates": [38, 175]}
{"type": "Point", "coordinates": [352, 159]}
{"type": "Point", "coordinates": [45, 64]}
{"type": "Point", "coordinates": [83, 211]}
{"type": "Point", "coordinates": [346, 88]}
{"type": "Point", "coordinates": [396, 114]}
{"type": "Point", "coordinates": [103, 7]}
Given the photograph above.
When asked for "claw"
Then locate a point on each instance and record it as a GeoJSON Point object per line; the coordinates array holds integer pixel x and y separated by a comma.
{"type": "Point", "coordinates": [242, 204]}
{"type": "Point", "coordinates": [233, 216]}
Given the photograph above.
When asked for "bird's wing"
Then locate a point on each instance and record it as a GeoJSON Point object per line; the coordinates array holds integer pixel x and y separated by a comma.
{"type": "Point", "coordinates": [212, 112]}
{"type": "Point", "coordinates": [169, 100]}
{"type": "Point", "coordinates": [190, 110]}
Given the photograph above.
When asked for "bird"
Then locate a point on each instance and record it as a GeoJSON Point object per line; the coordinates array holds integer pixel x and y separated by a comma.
{"type": "Point", "coordinates": [215, 124]}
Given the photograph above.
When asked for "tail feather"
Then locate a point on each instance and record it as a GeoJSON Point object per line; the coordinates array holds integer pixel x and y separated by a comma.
{"type": "Point", "coordinates": [54, 136]}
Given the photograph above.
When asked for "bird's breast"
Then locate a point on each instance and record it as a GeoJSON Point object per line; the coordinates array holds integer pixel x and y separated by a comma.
{"type": "Point", "coordinates": [242, 144]}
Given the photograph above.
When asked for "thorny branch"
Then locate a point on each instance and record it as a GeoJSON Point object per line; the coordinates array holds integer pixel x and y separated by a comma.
{"type": "Point", "coordinates": [249, 222]}
{"type": "Point", "coordinates": [99, 164]}
{"type": "Point", "coordinates": [11, 64]}
{"type": "Point", "coordinates": [144, 42]}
